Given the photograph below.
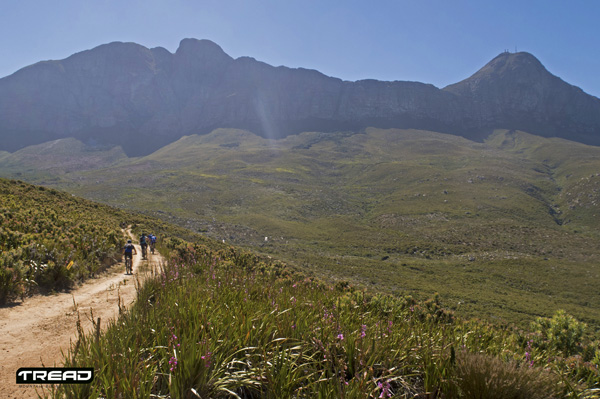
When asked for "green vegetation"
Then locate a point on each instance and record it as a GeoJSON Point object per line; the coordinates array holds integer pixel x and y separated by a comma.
{"type": "Point", "coordinates": [217, 321]}
{"type": "Point", "coordinates": [506, 230]}
{"type": "Point", "coordinates": [226, 323]}
{"type": "Point", "coordinates": [50, 240]}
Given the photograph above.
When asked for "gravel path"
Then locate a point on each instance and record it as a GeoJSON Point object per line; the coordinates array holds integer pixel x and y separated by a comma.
{"type": "Point", "coordinates": [36, 332]}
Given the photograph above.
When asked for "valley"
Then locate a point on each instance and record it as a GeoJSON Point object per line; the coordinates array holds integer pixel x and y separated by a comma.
{"type": "Point", "coordinates": [503, 229]}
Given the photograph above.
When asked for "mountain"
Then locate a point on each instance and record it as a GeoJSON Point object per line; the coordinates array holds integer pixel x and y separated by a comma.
{"type": "Point", "coordinates": [515, 91]}
{"type": "Point", "coordinates": [143, 99]}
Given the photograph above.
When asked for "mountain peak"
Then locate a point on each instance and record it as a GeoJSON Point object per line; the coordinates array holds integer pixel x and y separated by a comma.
{"type": "Point", "coordinates": [511, 63]}
{"type": "Point", "coordinates": [516, 59]}
{"type": "Point", "coordinates": [515, 91]}
{"type": "Point", "coordinates": [203, 47]}
{"type": "Point", "coordinates": [505, 69]}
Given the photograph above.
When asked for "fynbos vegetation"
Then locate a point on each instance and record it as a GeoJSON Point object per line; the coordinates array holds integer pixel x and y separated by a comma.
{"type": "Point", "coordinates": [49, 239]}
{"type": "Point", "coordinates": [226, 324]}
{"type": "Point", "coordinates": [504, 230]}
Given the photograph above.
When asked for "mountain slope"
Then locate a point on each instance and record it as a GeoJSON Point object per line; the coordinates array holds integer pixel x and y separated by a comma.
{"type": "Point", "coordinates": [51, 240]}
{"type": "Point", "coordinates": [142, 99]}
{"type": "Point", "coordinates": [515, 91]}
{"type": "Point", "coordinates": [514, 217]}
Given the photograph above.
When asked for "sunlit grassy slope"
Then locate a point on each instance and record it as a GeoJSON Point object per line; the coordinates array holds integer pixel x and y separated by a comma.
{"type": "Point", "coordinates": [229, 324]}
{"type": "Point", "coordinates": [505, 229]}
{"type": "Point", "coordinates": [52, 240]}
{"type": "Point", "coordinates": [214, 321]}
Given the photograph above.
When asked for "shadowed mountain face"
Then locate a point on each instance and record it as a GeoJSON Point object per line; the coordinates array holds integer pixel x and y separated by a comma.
{"type": "Point", "coordinates": [516, 91]}
{"type": "Point", "coordinates": [124, 93]}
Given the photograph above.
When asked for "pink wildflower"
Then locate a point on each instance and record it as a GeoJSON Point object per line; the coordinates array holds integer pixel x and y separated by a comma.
{"type": "Point", "coordinates": [173, 363]}
{"type": "Point", "coordinates": [385, 389]}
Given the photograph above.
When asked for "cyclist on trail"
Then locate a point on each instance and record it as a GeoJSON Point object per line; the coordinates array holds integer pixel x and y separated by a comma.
{"type": "Point", "coordinates": [152, 242]}
{"type": "Point", "coordinates": [128, 252]}
{"type": "Point", "coordinates": [144, 245]}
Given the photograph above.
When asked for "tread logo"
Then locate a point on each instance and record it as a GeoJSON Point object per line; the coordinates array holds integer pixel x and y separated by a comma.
{"type": "Point", "coordinates": [56, 375]}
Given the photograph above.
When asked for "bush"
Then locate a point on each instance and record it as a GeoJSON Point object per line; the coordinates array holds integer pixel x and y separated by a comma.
{"type": "Point", "coordinates": [480, 376]}
{"type": "Point", "coordinates": [562, 333]}
{"type": "Point", "coordinates": [10, 284]}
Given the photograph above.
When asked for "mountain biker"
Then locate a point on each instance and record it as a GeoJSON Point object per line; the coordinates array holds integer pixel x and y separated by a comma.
{"type": "Point", "coordinates": [152, 242]}
{"type": "Point", "coordinates": [129, 251]}
{"type": "Point", "coordinates": [144, 245]}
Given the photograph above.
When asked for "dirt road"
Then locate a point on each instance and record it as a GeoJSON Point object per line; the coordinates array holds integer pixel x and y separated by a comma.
{"type": "Point", "coordinates": [36, 332]}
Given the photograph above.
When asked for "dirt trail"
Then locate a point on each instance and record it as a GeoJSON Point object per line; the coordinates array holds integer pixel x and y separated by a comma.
{"type": "Point", "coordinates": [35, 332]}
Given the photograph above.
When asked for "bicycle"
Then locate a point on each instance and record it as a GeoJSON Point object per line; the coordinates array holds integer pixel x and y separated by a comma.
{"type": "Point", "coordinates": [144, 252]}
{"type": "Point", "coordinates": [128, 252]}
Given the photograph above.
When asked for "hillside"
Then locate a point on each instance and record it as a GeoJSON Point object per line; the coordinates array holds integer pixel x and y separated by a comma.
{"type": "Point", "coordinates": [51, 241]}
{"type": "Point", "coordinates": [230, 324]}
{"type": "Point", "coordinates": [40, 330]}
{"type": "Point", "coordinates": [515, 91]}
{"type": "Point", "coordinates": [216, 321]}
{"type": "Point", "coordinates": [123, 93]}
{"type": "Point", "coordinates": [503, 230]}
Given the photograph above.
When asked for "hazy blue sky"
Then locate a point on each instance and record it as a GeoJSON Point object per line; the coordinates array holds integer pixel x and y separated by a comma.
{"type": "Point", "coordinates": [438, 42]}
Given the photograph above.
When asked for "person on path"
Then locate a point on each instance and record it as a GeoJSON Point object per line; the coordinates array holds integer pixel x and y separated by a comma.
{"type": "Point", "coordinates": [144, 245]}
{"type": "Point", "coordinates": [128, 252]}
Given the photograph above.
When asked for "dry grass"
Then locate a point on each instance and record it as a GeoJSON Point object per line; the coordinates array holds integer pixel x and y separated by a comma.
{"type": "Point", "coordinates": [481, 376]}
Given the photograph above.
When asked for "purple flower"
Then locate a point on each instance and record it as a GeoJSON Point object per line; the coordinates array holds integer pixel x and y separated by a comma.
{"type": "Point", "coordinates": [206, 359]}
{"type": "Point", "coordinates": [385, 389]}
{"type": "Point", "coordinates": [363, 331]}
{"type": "Point", "coordinates": [173, 363]}
{"type": "Point", "coordinates": [529, 359]}
{"type": "Point", "coordinates": [341, 337]}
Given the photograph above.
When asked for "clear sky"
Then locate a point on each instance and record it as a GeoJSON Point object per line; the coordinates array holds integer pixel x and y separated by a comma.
{"type": "Point", "coordinates": [431, 41]}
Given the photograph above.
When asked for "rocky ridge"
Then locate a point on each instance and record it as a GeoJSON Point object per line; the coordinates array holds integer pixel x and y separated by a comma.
{"type": "Point", "coordinates": [122, 93]}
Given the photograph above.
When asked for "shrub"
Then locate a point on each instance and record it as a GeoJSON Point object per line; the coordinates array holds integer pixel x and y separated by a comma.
{"type": "Point", "coordinates": [10, 284]}
{"type": "Point", "coordinates": [480, 376]}
{"type": "Point", "coordinates": [562, 332]}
